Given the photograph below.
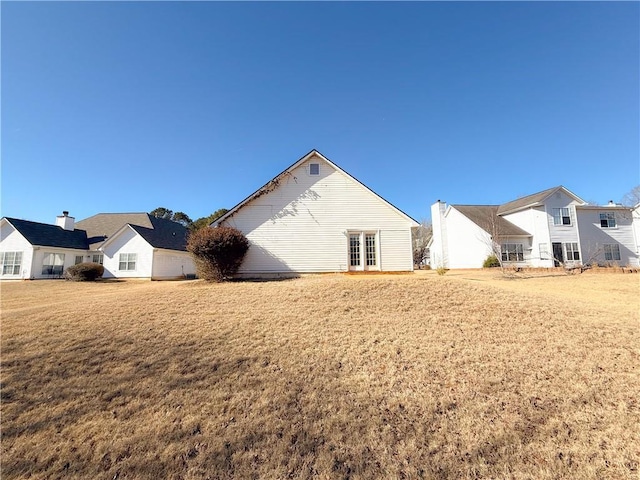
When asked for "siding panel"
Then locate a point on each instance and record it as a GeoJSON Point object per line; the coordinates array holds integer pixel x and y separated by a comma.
{"type": "Point", "coordinates": [302, 225]}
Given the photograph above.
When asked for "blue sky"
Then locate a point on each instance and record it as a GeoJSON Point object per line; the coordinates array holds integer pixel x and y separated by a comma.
{"type": "Point", "coordinates": [125, 106]}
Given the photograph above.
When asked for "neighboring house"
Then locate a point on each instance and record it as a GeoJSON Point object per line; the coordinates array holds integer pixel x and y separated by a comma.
{"type": "Point", "coordinates": [39, 250]}
{"type": "Point", "coordinates": [550, 228]}
{"type": "Point", "coordinates": [314, 217]}
{"type": "Point", "coordinates": [133, 245]}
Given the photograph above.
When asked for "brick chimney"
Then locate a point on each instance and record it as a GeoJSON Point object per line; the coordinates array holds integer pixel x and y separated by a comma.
{"type": "Point", "coordinates": [65, 221]}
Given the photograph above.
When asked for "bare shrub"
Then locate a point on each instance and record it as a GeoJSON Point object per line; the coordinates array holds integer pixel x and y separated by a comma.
{"type": "Point", "coordinates": [217, 252]}
{"type": "Point", "coordinates": [84, 272]}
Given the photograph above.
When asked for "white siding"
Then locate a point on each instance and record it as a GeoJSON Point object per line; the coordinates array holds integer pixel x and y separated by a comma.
{"type": "Point", "coordinates": [438, 254]}
{"type": "Point", "coordinates": [593, 237]}
{"type": "Point", "coordinates": [468, 244]}
{"type": "Point", "coordinates": [536, 222]}
{"type": "Point", "coordinates": [636, 231]}
{"type": "Point", "coordinates": [169, 264]}
{"type": "Point", "coordinates": [12, 241]}
{"type": "Point", "coordinates": [39, 255]}
{"type": "Point", "coordinates": [128, 241]}
{"type": "Point", "coordinates": [562, 233]}
{"type": "Point", "coordinates": [302, 225]}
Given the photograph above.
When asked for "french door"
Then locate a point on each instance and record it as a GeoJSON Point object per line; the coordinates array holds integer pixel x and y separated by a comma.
{"type": "Point", "coordinates": [363, 251]}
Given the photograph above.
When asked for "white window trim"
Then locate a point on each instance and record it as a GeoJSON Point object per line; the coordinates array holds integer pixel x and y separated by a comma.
{"type": "Point", "coordinates": [3, 256]}
{"type": "Point", "coordinates": [613, 217]}
{"type": "Point", "coordinates": [363, 251]}
{"type": "Point", "coordinates": [128, 262]}
{"type": "Point", "coordinates": [310, 172]}
{"type": "Point", "coordinates": [573, 251]}
{"type": "Point", "coordinates": [611, 252]}
{"type": "Point", "coordinates": [54, 264]}
{"type": "Point", "coordinates": [518, 250]}
{"type": "Point", "coordinates": [562, 224]}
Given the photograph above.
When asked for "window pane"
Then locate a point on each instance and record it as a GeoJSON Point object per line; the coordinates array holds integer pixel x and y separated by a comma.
{"type": "Point", "coordinates": [354, 250]}
{"type": "Point", "coordinates": [370, 242]}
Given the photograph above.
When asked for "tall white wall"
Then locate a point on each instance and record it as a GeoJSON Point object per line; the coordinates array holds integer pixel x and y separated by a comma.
{"type": "Point", "coordinates": [468, 244]}
{"type": "Point", "coordinates": [593, 236]}
{"type": "Point", "coordinates": [438, 253]}
{"type": "Point", "coordinates": [562, 233]}
{"type": "Point", "coordinates": [302, 226]}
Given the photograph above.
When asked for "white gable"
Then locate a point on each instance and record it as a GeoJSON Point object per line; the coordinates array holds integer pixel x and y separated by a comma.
{"type": "Point", "coordinates": [300, 221]}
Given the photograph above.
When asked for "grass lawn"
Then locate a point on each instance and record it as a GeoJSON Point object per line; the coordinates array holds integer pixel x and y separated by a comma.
{"type": "Point", "coordinates": [466, 375]}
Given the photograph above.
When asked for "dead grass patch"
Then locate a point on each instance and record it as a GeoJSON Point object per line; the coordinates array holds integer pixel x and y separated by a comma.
{"type": "Point", "coordinates": [411, 376]}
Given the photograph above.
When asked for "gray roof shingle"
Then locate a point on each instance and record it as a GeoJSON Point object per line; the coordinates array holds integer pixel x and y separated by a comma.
{"type": "Point", "coordinates": [529, 200]}
{"type": "Point", "coordinates": [158, 232]}
{"type": "Point", "coordinates": [101, 226]}
{"type": "Point", "coordinates": [164, 234]}
{"type": "Point", "coordinates": [486, 216]}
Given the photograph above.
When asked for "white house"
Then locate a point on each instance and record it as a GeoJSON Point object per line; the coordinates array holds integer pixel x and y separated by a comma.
{"type": "Point", "coordinates": [546, 229]}
{"type": "Point", "coordinates": [315, 217]}
{"type": "Point", "coordinates": [131, 245]}
{"type": "Point", "coordinates": [39, 250]}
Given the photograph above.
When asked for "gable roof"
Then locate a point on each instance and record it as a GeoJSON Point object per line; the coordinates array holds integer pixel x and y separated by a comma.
{"type": "Point", "coordinates": [534, 200]}
{"type": "Point", "coordinates": [46, 235]}
{"type": "Point", "coordinates": [486, 216]}
{"type": "Point", "coordinates": [270, 185]}
{"type": "Point", "coordinates": [164, 233]}
{"type": "Point", "coordinates": [103, 225]}
{"type": "Point", "coordinates": [157, 232]}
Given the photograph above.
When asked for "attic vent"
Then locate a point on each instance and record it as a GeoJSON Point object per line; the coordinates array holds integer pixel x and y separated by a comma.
{"type": "Point", "coordinates": [314, 169]}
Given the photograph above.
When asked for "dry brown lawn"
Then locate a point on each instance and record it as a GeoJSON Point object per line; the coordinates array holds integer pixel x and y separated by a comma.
{"type": "Point", "coordinates": [467, 375]}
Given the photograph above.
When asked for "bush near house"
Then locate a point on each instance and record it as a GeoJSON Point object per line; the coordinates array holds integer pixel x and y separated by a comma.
{"type": "Point", "coordinates": [491, 262]}
{"type": "Point", "coordinates": [217, 252]}
{"type": "Point", "coordinates": [84, 272]}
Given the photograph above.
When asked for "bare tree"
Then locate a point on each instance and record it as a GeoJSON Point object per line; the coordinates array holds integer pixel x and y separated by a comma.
{"type": "Point", "coordinates": [632, 197]}
{"type": "Point", "coordinates": [420, 239]}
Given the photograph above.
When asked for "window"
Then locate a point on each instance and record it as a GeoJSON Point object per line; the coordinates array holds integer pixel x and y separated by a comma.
{"type": "Point", "coordinates": [612, 251]}
{"type": "Point", "coordinates": [370, 244]}
{"type": "Point", "coordinates": [99, 258]}
{"type": "Point", "coordinates": [79, 259]}
{"type": "Point", "coordinates": [363, 250]}
{"type": "Point", "coordinates": [314, 169]}
{"type": "Point", "coordinates": [512, 252]}
{"type": "Point", "coordinates": [53, 264]}
{"type": "Point", "coordinates": [561, 216]}
{"type": "Point", "coordinates": [127, 261]}
{"type": "Point", "coordinates": [11, 262]}
{"type": "Point", "coordinates": [608, 220]}
{"type": "Point", "coordinates": [544, 251]}
{"type": "Point", "coordinates": [571, 251]}
{"type": "Point", "coordinates": [354, 249]}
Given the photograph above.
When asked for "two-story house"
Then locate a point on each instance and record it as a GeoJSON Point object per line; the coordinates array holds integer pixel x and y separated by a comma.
{"type": "Point", "coordinates": [550, 228]}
